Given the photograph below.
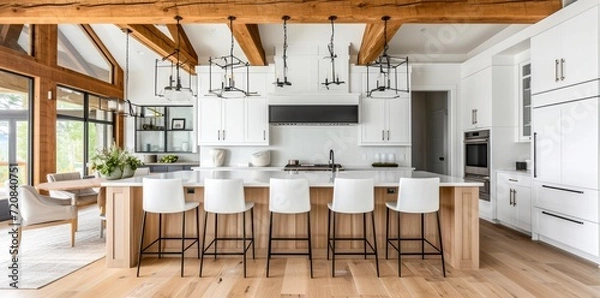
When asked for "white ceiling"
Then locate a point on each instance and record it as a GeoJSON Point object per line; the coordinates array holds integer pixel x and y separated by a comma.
{"type": "Point", "coordinates": [422, 42]}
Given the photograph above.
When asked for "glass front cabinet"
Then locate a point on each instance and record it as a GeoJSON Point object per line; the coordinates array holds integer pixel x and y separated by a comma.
{"type": "Point", "coordinates": [165, 129]}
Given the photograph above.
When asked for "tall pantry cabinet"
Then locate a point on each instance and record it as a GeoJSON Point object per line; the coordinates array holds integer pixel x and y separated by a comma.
{"type": "Point", "coordinates": [565, 98]}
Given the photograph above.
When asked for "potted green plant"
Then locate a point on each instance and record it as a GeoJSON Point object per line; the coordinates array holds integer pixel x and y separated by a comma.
{"type": "Point", "coordinates": [114, 163]}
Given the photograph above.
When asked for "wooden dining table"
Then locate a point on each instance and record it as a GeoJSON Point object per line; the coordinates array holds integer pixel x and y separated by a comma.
{"type": "Point", "coordinates": [78, 184]}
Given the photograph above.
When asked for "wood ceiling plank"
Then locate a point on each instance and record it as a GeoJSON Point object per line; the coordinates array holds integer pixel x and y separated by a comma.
{"type": "Point", "coordinates": [373, 41]}
{"type": "Point", "coordinates": [164, 46]}
{"type": "Point", "coordinates": [248, 38]}
{"type": "Point", "coordinates": [267, 11]}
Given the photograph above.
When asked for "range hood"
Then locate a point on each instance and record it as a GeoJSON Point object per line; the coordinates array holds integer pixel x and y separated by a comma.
{"type": "Point", "coordinates": [313, 109]}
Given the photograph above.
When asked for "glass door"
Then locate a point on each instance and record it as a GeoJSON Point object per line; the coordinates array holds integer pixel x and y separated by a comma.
{"type": "Point", "coordinates": [15, 93]}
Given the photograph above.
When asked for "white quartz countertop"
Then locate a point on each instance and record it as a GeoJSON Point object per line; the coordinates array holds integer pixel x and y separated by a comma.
{"type": "Point", "coordinates": [260, 178]}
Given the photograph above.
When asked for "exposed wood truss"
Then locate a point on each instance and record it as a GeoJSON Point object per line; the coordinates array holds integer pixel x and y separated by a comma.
{"type": "Point", "coordinates": [155, 40]}
{"type": "Point", "coordinates": [373, 40]}
{"type": "Point", "coordinates": [268, 11]}
{"type": "Point", "coordinates": [9, 36]}
{"type": "Point", "coordinates": [248, 38]}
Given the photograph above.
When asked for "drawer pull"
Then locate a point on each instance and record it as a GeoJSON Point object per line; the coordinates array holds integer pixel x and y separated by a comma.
{"type": "Point", "coordinates": [563, 189]}
{"type": "Point", "coordinates": [563, 218]}
{"type": "Point", "coordinates": [513, 180]}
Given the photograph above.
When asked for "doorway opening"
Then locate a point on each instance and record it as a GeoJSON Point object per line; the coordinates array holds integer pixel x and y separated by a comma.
{"type": "Point", "coordinates": [430, 131]}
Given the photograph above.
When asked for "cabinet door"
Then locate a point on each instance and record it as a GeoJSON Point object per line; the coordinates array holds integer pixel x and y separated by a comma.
{"type": "Point", "coordinates": [468, 89]}
{"type": "Point", "coordinates": [233, 121]}
{"type": "Point", "coordinates": [522, 206]}
{"type": "Point", "coordinates": [579, 63]}
{"type": "Point", "coordinates": [256, 121]}
{"type": "Point", "coordinates": [545, 60]}
{"type": "Point", "coordinates": [372, 121]}
{"type": "Point", "coordinates": [547, 143]}
{"type": "Point", "coordinates": [398, 120]}
{"type": "Point", "coordinates": [209, 112]}
{"type": "Point", "coordinates": [579, 143]}
{"type": "Point", "coordinates": [504, 199]}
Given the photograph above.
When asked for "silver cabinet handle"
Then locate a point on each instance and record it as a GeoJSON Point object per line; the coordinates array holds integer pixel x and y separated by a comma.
{"type": "Point", "coordinates": [562, 69]}
{"type": "Point", "coordinates": [223, 135]}
{"type": "Point", "coordinates": [514, 197]}
{"type": "Point", "coordinates": [383, 135]}
{"type": "Point", "coordinates": [510, 197]}
{"type": "Point", "coordinates": [556, 70]}
{"type": "Point", "coordinates": [219, 134]}
{"type": "Point", "coordinates": [388, 138]}
{"type": "Point", "coordinates": [474, 116]}
{"type": "Point", "coordinates": [513, 180]}
{"type": "Point", "coordinates": [264, 135]}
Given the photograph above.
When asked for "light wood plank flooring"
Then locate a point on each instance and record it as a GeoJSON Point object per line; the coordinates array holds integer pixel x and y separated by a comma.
{"type": "Point", "coordinates": [511, 266]}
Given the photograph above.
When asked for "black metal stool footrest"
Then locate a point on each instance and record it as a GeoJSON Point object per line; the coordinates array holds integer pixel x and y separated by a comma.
{"type": "Point", "coordinates": [239, 253]}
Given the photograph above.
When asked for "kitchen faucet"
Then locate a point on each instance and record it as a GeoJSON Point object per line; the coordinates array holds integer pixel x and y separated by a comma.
{"type": "Point", "coordinates": [331, 159]}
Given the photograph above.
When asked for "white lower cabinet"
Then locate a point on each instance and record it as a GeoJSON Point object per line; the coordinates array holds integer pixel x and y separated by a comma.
{"type": "Point", "coordinates": [567, 230]}
{"type": "Point", "coordinates": [513, 193]}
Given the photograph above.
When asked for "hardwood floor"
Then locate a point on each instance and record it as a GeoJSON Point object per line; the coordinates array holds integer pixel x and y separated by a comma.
{"type": "Point", "coordinates": [511, 266]}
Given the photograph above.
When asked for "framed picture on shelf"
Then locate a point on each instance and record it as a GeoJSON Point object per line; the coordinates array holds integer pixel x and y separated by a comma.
{"type": "Point", "coordinates": [178, 124]}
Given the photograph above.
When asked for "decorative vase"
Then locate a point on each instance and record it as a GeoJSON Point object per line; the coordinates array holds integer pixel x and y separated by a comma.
{"type": "Point", "coordinates": [127, 172]}
{"type": "Point", "coordinates": [217, 156]}
{"type": "Point", "coordinates": [114, 175]}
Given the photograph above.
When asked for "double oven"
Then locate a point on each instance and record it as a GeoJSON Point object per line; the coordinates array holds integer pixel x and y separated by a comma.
{"type": "Point", "coordinates": [477, 160]}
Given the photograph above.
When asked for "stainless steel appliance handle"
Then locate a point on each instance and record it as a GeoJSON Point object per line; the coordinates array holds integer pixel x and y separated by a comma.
{"type": "Point", "coordinates": [535, 155]}
{"type": "Point", "coordinates": [562, 217]}
{"type": "Point", "coordinates": [562, 189]}
{"type": "Point", "coordinates": [476, 140]}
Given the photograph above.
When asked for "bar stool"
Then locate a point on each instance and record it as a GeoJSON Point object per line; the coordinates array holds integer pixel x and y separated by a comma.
{"type": "Point", "coordinates": [352, 196]}
{"type": "Point", "coordinates": [166, 196]}
{"type": "Point", "coordinates": [289, 196]}
{"type": "Point", "coordinates": [419, 196]}
{"type": "Point", "coordinates": [226, 196]}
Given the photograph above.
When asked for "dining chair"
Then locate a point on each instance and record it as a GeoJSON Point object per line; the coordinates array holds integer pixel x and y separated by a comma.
{"type": "Point", "coordinates": [35, 210]}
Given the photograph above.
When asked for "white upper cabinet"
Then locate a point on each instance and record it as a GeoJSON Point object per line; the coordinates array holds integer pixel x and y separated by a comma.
{"type": "Point", "coordinates": [257, 127]}
{"type": "Point", "coordinates": [566, 54]}
{"type": "Point", "coordinates": [477, 99]}
{"type": "Point", "coordinates": [566, 143]}
{"type": "Point", "coordinates": [385, 122]}
{"type": "Point", "coordinates": [234, 121]}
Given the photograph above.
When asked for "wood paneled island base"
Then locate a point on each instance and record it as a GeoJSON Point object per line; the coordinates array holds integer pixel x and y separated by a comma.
{"type": "Point", "coordinates": [459, 215]}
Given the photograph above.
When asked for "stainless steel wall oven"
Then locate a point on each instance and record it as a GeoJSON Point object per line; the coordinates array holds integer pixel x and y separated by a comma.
{"type": "Point", "coordinates": [477, 160]}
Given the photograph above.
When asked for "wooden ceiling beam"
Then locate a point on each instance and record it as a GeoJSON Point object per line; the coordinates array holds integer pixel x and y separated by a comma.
{"type": "Point", "coordinates": [186, 44]}
{"type": "Point", "coordinates": [248, 38]}
{"type": "Point", "coordinates": [373, 41]}
{"type": "Point", "coordinates": [267, 11]}
{"type": "Point", "coordinates": [164, 46]}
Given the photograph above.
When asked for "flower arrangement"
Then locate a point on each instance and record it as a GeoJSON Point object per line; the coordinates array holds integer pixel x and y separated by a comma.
{"type": "Point", "coordinates": [114, 163]}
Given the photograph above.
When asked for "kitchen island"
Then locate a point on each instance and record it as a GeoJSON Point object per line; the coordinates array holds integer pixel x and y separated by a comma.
{"type": "Point", "coordinates": [459, 214]}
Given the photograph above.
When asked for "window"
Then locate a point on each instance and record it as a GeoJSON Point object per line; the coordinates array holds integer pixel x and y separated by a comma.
{"type": "Point", "coordinates": [84, 124]}
{"type": "Point", "coordinates": [76, 51]}
{"type": "Point", "coordinates": [16, 37]}
{"type": "Point", "coordinates": [15, 107]}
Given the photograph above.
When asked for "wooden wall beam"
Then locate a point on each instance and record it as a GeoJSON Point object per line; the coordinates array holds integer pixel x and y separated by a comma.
{"type": "Point", "coordinates": [248, 38]}
{"type": "Point", "coordinates": [164, 46]}
{"type": "Point", "coordinates": [267, 11]}
{"type": "Point", "coordinates": [373, 40]}
{"type": "Point", "coordinates": [44, 130]}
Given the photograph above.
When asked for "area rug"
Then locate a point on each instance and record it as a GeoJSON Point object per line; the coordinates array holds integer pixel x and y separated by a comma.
{"type": "Point", "coordinates": [46, 254]}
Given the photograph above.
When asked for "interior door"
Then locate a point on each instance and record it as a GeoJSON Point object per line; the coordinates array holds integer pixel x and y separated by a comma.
{"type": "Point", "coordinates": [437, 153]}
